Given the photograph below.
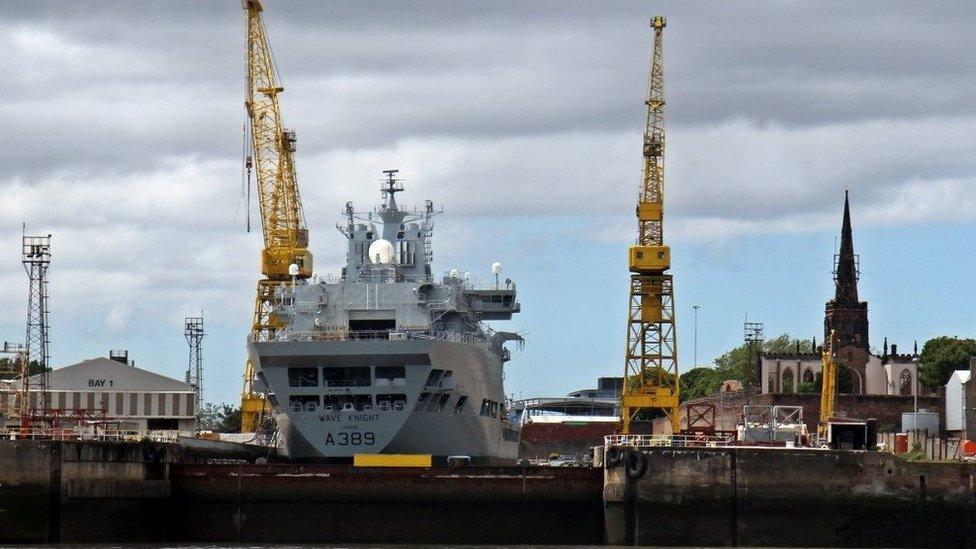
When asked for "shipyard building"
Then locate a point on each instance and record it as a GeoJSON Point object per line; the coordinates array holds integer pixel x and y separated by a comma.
{"type": "Point", "coordinates": [111, 391]}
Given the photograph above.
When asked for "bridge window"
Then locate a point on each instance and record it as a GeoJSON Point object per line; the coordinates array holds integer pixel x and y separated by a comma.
{"type": "Point", "coordinates": [338, 403]}
{"type": "Point", "coordinates": [349, 376]}
{"type": "Point", "coordinates": [441, 402]}
{"type": "Point", "coordinates": [303, 403]}
{"type": "Point", "coordinates": [387, 403]}
{"type": "Point", "coordinates": [391, 375]}
{"type": "Point", "coordinates": [303, 377]}
{"type": "Point", "coordinates": [459, 406]}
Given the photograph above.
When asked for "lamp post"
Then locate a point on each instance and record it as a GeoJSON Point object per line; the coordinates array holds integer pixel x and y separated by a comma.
{"type": "Point", "coordinates": [696, 307]}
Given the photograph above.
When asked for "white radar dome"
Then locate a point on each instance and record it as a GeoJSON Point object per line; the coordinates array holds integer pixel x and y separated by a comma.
{"type": "Point", "coordinates": [496, 268]}
{"type": "Point", "coordinates": [293, 269]}
{"type": "Point", "coordinates": [381, 252]}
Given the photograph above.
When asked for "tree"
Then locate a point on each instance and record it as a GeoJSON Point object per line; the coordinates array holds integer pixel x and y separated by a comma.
{"type": "Point", "coordinates": [699, 382]}
{"type": "Point", "coordinates": [740, 363]}
{"type": "Point", "coordinates": [737, 363]}
{"type": "Point", "coordinates": [220, 418]}
{"type": "Point", "coordinates": [941, 356]}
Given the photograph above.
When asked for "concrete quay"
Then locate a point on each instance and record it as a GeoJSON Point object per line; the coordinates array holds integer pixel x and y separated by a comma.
{"type": "Point", "coordinates": [87, 492]}
{"type": "Point", "coordinates": [786, 498]}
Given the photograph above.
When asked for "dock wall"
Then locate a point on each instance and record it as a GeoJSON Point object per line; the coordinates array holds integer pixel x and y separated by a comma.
{"type": "Point", "coordinates": [788, 498]}
{"type": "Point", "coordinates": [86, 492]}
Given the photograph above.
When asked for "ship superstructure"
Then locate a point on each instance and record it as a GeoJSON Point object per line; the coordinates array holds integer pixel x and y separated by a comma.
{"type": "Point", "coordinates": [385, 359]}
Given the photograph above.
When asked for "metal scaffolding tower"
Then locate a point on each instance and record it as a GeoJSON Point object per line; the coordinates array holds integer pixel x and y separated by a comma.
{"type": "Point", "coordinates": [193, 330]}
{"type": "Point", "coordinates": [36, 257]}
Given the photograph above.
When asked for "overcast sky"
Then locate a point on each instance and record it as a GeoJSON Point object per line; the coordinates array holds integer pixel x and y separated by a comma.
{"type": "Point", "coordinates": [122, 137]}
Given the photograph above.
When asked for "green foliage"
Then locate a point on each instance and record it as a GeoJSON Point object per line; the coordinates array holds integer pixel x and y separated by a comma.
{"type": "Point", "coordinates": [915, 454]}
{"type": "Point", "coordinates": [699, 382]}
{"type": "Point", "coordinates": [220, 418]}
{"type": "Point", "coordinates": [941, 356]}
{"type": "Point", "coordinates": [11, 364]}
{"type": "Point", "coordinates": [739, 363]}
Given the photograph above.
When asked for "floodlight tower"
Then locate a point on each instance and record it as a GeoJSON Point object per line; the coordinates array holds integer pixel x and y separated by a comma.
{"type": "Point", "coordinates": [36, 257]}
{"type": "Point", "coordinates": [193, 331]}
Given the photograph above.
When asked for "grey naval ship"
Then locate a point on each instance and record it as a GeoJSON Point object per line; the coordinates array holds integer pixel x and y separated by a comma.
{"type": "Point", "coordinates": [385, 359]}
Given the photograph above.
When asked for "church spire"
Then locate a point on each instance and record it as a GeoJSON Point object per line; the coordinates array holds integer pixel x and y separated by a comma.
{"type": "Point", "coordinates": [846, 271]}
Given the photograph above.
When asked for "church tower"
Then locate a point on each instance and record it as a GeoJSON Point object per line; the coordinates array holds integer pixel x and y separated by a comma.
{"type": "Point", "coordinates": [846, 314]}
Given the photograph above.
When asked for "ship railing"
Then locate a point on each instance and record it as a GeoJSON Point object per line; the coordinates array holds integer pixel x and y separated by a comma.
{"type": "Point", "coordinates": [395, 335]}
{"type": "Point", "coordinates": [666, 441]}
{"type": "Point", "coordinates": [69, 434]}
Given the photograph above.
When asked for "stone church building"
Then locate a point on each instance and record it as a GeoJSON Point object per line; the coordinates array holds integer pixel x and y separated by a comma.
{"type": "Point", "coordinates": [847, 317]}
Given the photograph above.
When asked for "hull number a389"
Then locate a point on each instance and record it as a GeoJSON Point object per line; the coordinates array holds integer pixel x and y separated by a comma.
{"type": "Point", "coordinates": [350, 439]}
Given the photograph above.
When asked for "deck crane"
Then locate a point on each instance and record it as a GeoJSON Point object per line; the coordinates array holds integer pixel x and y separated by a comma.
{"type": "Point", "coordinates": [282, 217]}
{"type": "Point", "coordinates": [828, 387]}
{"type": "Point", "coordinates": [651, 364]}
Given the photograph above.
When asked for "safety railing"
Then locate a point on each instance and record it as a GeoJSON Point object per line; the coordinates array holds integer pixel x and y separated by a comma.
{"type": "Point", "coordinates": [381, 335]}
{"type": "Point", "coordinates": [667, 441]}
{"type": "Point", "coordinates": [87, 434]}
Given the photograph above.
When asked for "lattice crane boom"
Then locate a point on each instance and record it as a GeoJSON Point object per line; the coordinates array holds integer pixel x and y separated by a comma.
{"type": "Point", "coordinates": [282, 217]}
{"type": "Point", "coordinates": [651, 363]}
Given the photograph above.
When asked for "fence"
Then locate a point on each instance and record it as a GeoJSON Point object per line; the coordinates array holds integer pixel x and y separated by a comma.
{"type": "Point", "coordinates": [653, 441]}
{"type": "Point", "coordinates": [89, 434]}
{"type": "Point", "coordinates": [932, 446]}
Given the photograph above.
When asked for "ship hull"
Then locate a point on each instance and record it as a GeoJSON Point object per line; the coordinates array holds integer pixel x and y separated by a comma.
{"type": "Point", "coordinates": [335, 399]}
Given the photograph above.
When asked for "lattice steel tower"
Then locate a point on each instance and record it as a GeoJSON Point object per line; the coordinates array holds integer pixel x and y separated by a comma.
{"type": "Point", "coordinates": [651, 364]}
{"type": "Point", "coordinates": [193, 330]}
{"type": "Point", "coordinates": [36, 257]}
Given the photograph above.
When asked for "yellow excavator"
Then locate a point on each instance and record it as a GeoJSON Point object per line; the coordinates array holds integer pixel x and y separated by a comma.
{"type": "Point", "coordinates": [272, 147]}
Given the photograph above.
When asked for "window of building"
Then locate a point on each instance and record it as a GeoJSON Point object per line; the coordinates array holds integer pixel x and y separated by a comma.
{"type": "Point", "coordinates": [459, 405]}
{"type": "Point", "coordinates": [336, 403]}
{"type": "Point", "coordinates": [303, 377]}
{"type": "Point", "coordinates": [808, 376]}
{"type": "Point", "coordinates": [348, 376]}
{"type": "Point", "coordinates": [303, 403]}
{"type": "Point", "coordinates": [788, 381]}
{"type": "Point", "coordinates": [905, 383]}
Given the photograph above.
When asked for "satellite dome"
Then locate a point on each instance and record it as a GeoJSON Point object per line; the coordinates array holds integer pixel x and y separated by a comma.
{"type": "Point", "coordinates": [496, 267]}
{"type": "Point", "coordinates": [381, 252]}
{"type": "Point", "coordinates": [293, 269]}
{"type": "Point", "coordinates": [455, 273]}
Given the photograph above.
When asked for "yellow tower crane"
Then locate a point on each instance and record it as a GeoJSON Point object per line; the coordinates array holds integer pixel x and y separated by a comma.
{"type": "Point", "coordinates": [282, 217]}
{"type": "Point", "coordinates": [651, 364]}
{"type": "Point", "coordinates": [828, 387]}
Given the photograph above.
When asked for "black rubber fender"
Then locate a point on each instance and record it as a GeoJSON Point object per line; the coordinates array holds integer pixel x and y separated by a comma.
{"type": "Point", "coordinates": [614, 457]}
{"type": "Point", "coordinates": [636, 464]}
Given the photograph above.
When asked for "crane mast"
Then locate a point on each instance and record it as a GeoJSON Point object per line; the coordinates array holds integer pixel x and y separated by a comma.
{"type": "Point", "coordinates": [651, 363]}
{"type": "Point", "coordinates": [282, 217]}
